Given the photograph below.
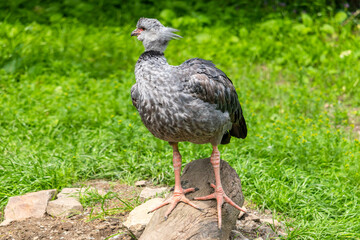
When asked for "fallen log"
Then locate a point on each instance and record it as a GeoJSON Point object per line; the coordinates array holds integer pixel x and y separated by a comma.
{"type": "Point", "coordinates": [186, 222]}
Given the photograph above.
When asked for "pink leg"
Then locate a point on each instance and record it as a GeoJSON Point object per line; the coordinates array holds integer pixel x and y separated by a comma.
{"type": "Point", "coordinates": [219, 194]}
{"type": "Point", "coordinates": [179, 192]}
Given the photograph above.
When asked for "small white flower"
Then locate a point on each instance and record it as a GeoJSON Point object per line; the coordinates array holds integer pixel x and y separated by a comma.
{"type": "Point", "coordinates": [345, 53]}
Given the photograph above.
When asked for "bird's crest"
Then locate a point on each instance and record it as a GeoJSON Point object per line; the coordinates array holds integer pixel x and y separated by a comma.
{"type": "Point", "coordinates": [168, 33]}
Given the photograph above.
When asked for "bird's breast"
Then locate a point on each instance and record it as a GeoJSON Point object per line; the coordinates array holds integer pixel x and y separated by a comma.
{"type": "Point", "coordinates": [175, 116]}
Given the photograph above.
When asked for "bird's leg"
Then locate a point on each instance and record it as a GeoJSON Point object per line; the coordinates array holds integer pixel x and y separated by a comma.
{"type": "Point", "coordinates": [179, 192]}
{"type": "Point", "coordinates": [219, 194]}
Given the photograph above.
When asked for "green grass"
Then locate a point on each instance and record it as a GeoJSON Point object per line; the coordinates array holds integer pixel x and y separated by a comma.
{"type": "Point", "coordinates": [98, 205]}
{"type": "Point", "coordinates": [66, 112]}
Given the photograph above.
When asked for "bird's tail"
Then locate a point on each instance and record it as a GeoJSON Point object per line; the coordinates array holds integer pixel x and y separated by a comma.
{"type": "Point", "coordinates": [238, 130]}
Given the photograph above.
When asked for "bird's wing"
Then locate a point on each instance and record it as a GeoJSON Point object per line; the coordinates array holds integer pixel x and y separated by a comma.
{"type": "Point", "coordinates": [135, 95]}
{"type": "Point", "coordinates": [208, 83]}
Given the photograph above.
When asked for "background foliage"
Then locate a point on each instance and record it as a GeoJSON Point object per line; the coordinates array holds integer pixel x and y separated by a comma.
{"type": "Point", "coordinates": [66, 114]}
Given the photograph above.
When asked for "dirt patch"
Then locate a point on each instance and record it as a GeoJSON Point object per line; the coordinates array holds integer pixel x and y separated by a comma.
{"type": "Point", "coordinates": [104, 216]}
{"type": "Point", "coordinates": [256, 224]}
{"type": "Point", "coordinates": [76, 228]}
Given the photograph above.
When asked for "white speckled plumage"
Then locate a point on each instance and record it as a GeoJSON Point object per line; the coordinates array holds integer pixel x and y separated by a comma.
{"type": "Point", "coordinates": [194, 102]}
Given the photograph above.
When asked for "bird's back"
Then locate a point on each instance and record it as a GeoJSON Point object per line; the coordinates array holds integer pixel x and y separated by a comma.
{"type": "Point", "coordinates": [212, 85]}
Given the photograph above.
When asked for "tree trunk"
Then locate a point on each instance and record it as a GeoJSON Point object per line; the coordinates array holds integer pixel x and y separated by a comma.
{"type": "Point", "coordinates": [186, 222]}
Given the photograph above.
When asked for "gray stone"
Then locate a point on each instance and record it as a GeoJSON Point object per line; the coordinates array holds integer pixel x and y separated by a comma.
{"type": "Point", "coordinates": [141, 183]}
{"type": "Point", "coordinates": [64, 207]}
{"type": "Point", "coordinates": [139, 216]}
{"type": "Point", "coordinates": [152, 192]}
{"type": "Point", "coordinates": [28, 205]}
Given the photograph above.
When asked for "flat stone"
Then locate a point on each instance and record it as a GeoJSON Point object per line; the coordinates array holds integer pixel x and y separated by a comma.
{"type": "Point", "coordinates": [139, 217]}
{"type": "Point", "coordinates": [270, 221]}
{"type": "Point", "coordinates": [29, 205]}
{"type": "Point", "coordinates": [241, 214]}
{"type": "Point", "coordinates": [141, 183]}
{"type": "Point", "coordinates": [252, 217]}
{"type": "Point", "coordinates": [69, 192]}
{"type": "Point", "coordinates": [64, 207]}
{"type": "Point", "coordinates": [75, 192]}
{"type": "Point", "coordinates": [152, 192]}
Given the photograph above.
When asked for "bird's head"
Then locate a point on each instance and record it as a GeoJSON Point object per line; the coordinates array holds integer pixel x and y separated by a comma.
{"type": "Point", "coordinates": [153, 34]}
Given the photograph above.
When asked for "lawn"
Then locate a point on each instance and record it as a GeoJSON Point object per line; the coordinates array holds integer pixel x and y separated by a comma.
{"type": "Point", "coordinates": [66, 113]}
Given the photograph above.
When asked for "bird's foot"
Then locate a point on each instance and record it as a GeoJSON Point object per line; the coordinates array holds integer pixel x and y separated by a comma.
{"type": "Point", "coordinates": [220, 197]}
{"type": "Point", "coordinates": [178, 196]}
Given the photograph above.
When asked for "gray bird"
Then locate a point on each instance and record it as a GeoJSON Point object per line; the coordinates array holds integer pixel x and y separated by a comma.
{"type": "Point", "coordinates": [193, 102]}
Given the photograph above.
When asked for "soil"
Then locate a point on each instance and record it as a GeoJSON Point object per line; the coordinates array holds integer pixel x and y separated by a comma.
{"type": "Point", "coordinates": [86, 226]}
{"type": "Point", "coordinates": [73, 228]}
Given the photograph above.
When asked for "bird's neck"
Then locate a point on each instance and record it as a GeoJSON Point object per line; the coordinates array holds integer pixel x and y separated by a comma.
{"type": "Point", "coordinates": [151, 54]}
{"type": "Point", "coordinates": [150, 64]}
{"type": "Point", "coordinates": [156, 57]}
{"type": "Point", "coordinates": [157, 45]}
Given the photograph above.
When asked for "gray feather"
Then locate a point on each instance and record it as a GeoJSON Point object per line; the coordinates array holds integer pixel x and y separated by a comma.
{"type": "Point", "coordinates": [194, 102]}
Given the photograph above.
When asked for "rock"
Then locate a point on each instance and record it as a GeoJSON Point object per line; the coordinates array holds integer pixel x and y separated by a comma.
{"type": "Point", "coordinates": [281, 233]}
{"type": "Point", "coordinates": [186, 222]}
{"type": "Point", "coordinates": [152, 192]}
{"type": "Point", "coordinates": [236, 235]}
{"type": "Point", "coordinates": [139, 216]}
{"type": "Point", "coordinates": [252, 217]}
{"type": "Point", "coordinates": [69, 192]}
{"type": "Point", "coordinates": [250, 225]}
{"type": "Point", "coordinates": [28, 205]}
{"type": "Point", "coordinates": [141, 183]}
{"type": "Point", "coordinates": [64, 207]}
{"type": "Point", "coordinates": [268, 212]}
{"type": "Point", "coordinates": [115, 237]}
{"type": "Point", "coordinates": [265, 231]}
{"type": "Point", "coordinates": [241, 214]}
{"type": "Point", "coordinates": [75, 192]}
{"type": "Point", "coordinates": [137, 229]}
{"type": "Point", "coordinates": [270, 221]}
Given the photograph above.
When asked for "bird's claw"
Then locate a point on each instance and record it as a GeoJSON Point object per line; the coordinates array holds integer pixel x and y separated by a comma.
{"type": "Point", "coordinates": [178, 196]}
{"type": "Point", "coordinates": [221, 198]}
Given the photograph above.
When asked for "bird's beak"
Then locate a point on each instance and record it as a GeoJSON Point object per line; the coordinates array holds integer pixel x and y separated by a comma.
{"type": "Point", "coordinates": [136, 32]}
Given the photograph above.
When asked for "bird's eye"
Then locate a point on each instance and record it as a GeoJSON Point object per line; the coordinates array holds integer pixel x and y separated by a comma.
{"type": "Point", "coordinates": [142, 29]}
